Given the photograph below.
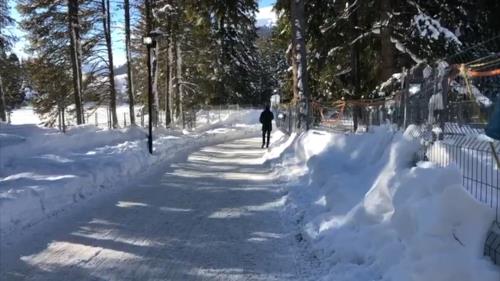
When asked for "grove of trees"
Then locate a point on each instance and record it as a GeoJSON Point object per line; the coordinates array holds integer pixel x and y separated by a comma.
{"type": "Point", "coordinates": [353, 46]}
{"type": "Point", "coordinates": [211, 52]}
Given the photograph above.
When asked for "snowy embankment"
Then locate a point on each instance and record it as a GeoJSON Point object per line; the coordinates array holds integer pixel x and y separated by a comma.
{"type": "Point", "coordinates": [369, 212]}
{"type": "Point", "coordinates": [44, 172]}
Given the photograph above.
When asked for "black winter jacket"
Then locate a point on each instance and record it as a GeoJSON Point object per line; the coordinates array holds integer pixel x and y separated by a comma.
{"type": "Point", "coordinates": [266, 118]}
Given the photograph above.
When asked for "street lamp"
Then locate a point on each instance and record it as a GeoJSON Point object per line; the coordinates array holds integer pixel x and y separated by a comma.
{"type": "Point", "coordinates": [147, 40]}
{"type": "Point", "coordinates": [150, 42]}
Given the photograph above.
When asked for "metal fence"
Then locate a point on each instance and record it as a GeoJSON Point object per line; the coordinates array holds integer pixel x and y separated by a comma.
{"type": "Point", "coordinates": [190, 118]}
{"type": "Point", "coordinates": [474, 158]}
{"type": "Point", "coordinates": [288, 118]}
{"type": "Point", "coordinates": [447, 118]}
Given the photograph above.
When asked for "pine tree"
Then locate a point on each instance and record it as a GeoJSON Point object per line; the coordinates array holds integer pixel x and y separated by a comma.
{"type": "Point", "coordinates": [106, 22]}
{"type": "Point", "coordinates": [76, 57]}
{"type": "Point", "coordinates": [50, 26]}
{"type": "Point", "coordinates": [12, 72]}
{"type": "Point", "coordinates": [235, 35]}
{"type": "Point", "coordinates": [130, 79]}
{"type": "Point", "coordinates": [272, 64]}
{"type": "Point", "coordinates": [5, 43]}
{"type": "Point", "coordinates": [52, 99]}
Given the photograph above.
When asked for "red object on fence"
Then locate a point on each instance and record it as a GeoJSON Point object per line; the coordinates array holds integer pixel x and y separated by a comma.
{"type": "Point", "coordinates": [473, 73]}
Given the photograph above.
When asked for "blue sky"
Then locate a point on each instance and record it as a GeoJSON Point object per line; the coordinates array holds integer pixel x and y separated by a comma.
{"type": "Point", "coordinates": [265, 3]}
{"type": "Point", "coordinates": [264, 17]}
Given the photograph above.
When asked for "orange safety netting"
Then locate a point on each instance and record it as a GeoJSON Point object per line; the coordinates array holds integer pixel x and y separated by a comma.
{"type": "Point", "coordinates": [340, 106]}
{"type": "Point", "coordinates": [473, 73]}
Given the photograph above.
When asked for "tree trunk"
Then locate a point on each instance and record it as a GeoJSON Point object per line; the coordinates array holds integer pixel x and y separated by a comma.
{"type": "Point", "coordinates": [179, 83]}
{"type": "Point", "coordinates": [167, 65]}
{"type": "Point", "coordinates": [174, 81]}
{"type": "Point", "coordinates": [168, 100]}
{"type": "Point", "coordinates": [155, 84]}
{"type": "Point", "coordinates": [386, 49]}
{"type": "Point", "coordinates": [130, 79]}
{"type": "Point", "coordinates": [106, 22]}
{"type": "Point", "coordinates": [75, 51]}
{"type": "Point", "coordinates": [221, 62]}
{"type": "Point", "coordinates": [3, 117]}
{"type": "Point", "coordinates": [300, 58]}
{"type": "Point", "coordinates": [59, 117]}
{"type": "Point", "coordinates": [63, 118]}
{"type": "Point", "coordinates": [295, 89]}
{"type": "Point", "coordinates": [355, 83]}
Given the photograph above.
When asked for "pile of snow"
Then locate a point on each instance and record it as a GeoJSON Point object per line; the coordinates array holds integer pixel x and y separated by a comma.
{"type": "Point", "coordinates": [25, 115]}
{"type": "Point", "coordinates": [43, 172]}
{"type": "Point", "coordinates": [99, 116]}
{"type": "Point", "coordinates": [369, 211]}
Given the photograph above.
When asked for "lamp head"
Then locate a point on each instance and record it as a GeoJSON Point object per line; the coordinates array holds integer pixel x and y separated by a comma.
{"type": "Point", "coordinates": [147, 40]}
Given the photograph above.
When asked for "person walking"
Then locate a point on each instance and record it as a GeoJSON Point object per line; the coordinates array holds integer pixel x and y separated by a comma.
{"type": "Point", "coordinates": [266, 118]}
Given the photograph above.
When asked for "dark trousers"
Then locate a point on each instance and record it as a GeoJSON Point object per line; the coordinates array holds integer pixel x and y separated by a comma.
{"type": "Point", "coordinates": [264, 132]}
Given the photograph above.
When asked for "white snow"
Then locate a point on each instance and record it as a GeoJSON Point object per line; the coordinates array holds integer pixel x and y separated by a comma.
{"type": "Point", "coordinates": [316, 206]}
{"type": "Point", "coordinates": [432, 28]}
{"type": "Point", "coordinates": [24, 115]}
{"type": "Point", "coordinates": [402, 48]}
{"type": "Point", "coordinates": [43, 171]}
{"type": "Point", "coordinates": [99, 116]}
{"type": "Point", "coordinates": [368, 213]}
{"type": "Point", "coordinates": [215, 215]}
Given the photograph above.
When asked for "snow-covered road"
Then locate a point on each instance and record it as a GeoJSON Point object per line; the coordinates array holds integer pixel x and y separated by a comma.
{"type": "Point", "coordinates": [215, 216]}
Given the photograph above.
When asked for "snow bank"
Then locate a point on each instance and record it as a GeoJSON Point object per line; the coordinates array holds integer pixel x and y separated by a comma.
{"type": "Point", "coordinates": [369, 213]}
{"type": "Point", "coordinates": [98, 116]}
{"type": "Point", "coordinates": [43, 172]}
{"type": "Point", "coordinates": [25, 115]}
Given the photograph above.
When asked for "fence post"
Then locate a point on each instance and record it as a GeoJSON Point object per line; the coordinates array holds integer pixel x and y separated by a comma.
{"type": "Point", "coordinates": [63, 120]}
{"type": "Point", "coordinates": [109, 119]}
{"type": "Point", "coordinates": [96, 119]}
{"type": "Point", "coordinates": [193, 113]}
{"type": "Point", "coordinates": [183, 119]}
{"type": "Point", "coordinates": [403, 101]}
{"type": "Point", "coordinates": [208, 115]}
{"type": "Point", "coordinates": [59, 117]}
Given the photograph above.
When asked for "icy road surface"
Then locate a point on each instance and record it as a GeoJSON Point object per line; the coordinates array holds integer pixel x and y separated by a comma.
{"type": "Point", "coordinates": [215, 216]}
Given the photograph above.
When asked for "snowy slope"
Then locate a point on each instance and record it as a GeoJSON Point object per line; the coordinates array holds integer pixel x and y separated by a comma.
{"type": "Point", "coordinates": [368, 213]}
{"type": "Point", "coordinates": [43, 172]}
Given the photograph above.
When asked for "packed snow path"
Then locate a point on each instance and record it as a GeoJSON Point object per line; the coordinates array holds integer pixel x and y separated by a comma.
{"type": "Point", "coordinates": [215, 216]}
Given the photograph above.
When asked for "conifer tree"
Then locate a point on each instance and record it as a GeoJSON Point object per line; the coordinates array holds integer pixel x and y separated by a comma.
{"type": "Point", "coordinates": [106, 22]}
{"type": "Point", "coordinates": [60, 34]}
{"type": "Point", "coordinates": [128, 51]}
{"type": "Point", "coordinates": [5, 43]}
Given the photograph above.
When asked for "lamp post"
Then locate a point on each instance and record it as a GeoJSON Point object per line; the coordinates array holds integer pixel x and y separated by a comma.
{"type": "Point", "coordinates": [149, 42]}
